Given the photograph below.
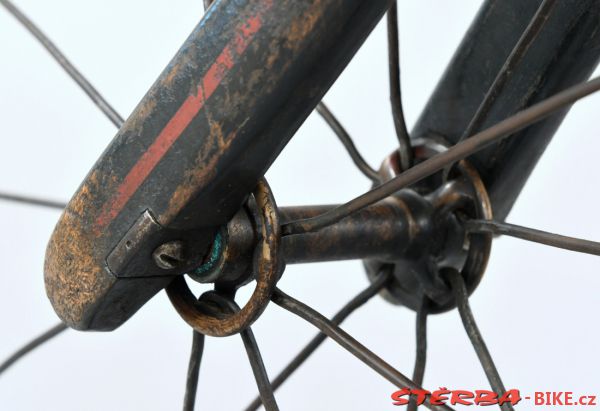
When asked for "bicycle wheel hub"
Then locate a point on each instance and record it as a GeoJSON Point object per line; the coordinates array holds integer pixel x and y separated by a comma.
{"type": "Point", "coordinates": [438, 206]}
{"type": "Point", "coordinates": [419, 231]}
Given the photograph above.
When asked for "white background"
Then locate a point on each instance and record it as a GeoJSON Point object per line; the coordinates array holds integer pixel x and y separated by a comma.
{"type": "Point", "coordinates": [536, 306]}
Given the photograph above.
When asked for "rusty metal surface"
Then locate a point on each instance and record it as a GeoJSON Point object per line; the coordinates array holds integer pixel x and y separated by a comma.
{"type": "Point", "coordinates": [417, 231]}
{"type": "Point", "coordinates": [442, 241]}
{"type": "Point", "coordinates": [216, 119]}
{"type": "Point", "coordinates": [197, 144]}
{"type": "Point", "coordinates": [267, 267]}
{"type": "Point", "coordinates": [382, 231]}
{"type": "Point", "coordinates": [163, 200]}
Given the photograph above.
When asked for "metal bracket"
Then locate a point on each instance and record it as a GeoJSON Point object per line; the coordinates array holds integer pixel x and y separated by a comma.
{"type": "Point", "coordinates": [131, 256]}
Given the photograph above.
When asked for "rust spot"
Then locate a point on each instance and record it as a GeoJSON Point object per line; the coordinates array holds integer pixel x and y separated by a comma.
{"type": "Point", "coordinates": [301, 28]}
{"type": "Point", "coordinates": [73, 278]}
{"type": "Point", "coordinates": [205, 169]}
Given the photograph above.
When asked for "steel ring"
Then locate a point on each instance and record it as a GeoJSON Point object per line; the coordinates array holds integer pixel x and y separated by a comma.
{"type": "Point", "coordinates": [266, 266]}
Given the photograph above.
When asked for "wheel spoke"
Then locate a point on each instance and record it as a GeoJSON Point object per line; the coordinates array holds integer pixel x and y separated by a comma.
{"type": "Point", "coordinates": [337, 319]}
{"type": "Point", "coordinates": [421, 352]}
{"type": "Point", "coordinates": [406, 157]}
{"type": "Point", "coordinates": [193, 373]}
{"type": "Point", "coordinates": [85, 85]}
{"type": "Point", "coordinates": [260, 373]}
{"type": "Point", "coordinates": [462, 300]}
{"type": "Point", "coordinates": [42, 202]}
{"type": "Point", "coordinates": [516, 55]}
{"type": "Point", "coordinates": [346, 140]}
{"type": "Point", "coordinates": [455, 153]}
{"type": "Point", "coordinates": [32, 345]}
{"type": "Point", "coordinates": [537, 236]}
{"type": "Point", "coordinates": [349, 343]}
{"type": "Point", "coordinates": [258, 367]}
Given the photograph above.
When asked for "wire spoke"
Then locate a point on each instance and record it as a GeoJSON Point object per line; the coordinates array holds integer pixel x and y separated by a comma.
{"type": "Point", "coordinates": [260, 373]}
{"type": "Point", "coordinates": [457, 152]}
{"type": "Point", "coordinates": [32, 345]}
{"type": "Point", "coordinates": [462, 300]}
{"type": "Point", "coordinates": [349, 343]}
{"type": "Point", "coordinates": [81, 81]}
{"type": "Point", "coordinates": [254, 356]}
{"type": "Point", "coordinates": [406, 157]}
{"type": "Point", "coordinates": [537, 236]}
{"type": "Point", "coordinates": [421, 354]}
{"type": "Point", "coordinates": [42, 202]}
{"type": "Point", "coordinates": [193, 373]}
{"type": "Point", "coordinates": [346, 140]}
{"type": "Point", "coordinates": [516, 55]}
{"type": "Point", "coordinates": [337, 319]}
{"type": "Point", "coordinates": [85, 85]}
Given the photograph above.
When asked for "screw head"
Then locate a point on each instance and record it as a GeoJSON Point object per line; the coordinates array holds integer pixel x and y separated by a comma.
{"type": "Point", "coordinates": [169, 255]}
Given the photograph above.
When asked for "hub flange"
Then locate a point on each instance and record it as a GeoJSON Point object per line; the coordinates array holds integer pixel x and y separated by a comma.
{"type": "Point", "coordinates": [438, 208]}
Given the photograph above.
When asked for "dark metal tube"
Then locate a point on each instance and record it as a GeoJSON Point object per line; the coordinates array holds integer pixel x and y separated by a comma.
{"type": "Point", "coordinates": [383, 231]}
{"type": "Point", "coordinates": [380, 231]}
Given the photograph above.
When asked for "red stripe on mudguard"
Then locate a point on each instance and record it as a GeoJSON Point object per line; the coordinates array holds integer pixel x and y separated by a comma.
{"type": "Point", "coordinates": [182, 118]}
